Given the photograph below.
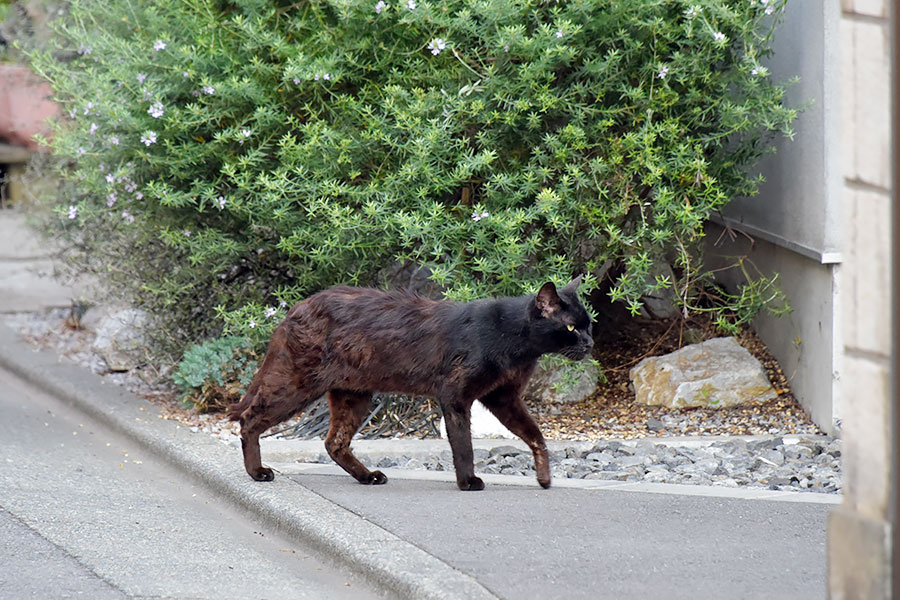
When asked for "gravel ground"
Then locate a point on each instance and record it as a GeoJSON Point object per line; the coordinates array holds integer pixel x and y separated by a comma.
{"type": "Point", "coordinates": [797, 463]}
{"type": "Point", "coordinates": [781, 461]}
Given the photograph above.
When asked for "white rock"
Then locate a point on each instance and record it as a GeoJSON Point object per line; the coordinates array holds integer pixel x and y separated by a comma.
{"type": "Point", "coordinates": [120, 339]}
{"type": "Point", "coordinates": [483, 424]}
{"type": "Point", "coordinates": [714, 374]}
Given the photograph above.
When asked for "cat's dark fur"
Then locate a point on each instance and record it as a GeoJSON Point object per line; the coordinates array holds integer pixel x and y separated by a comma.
{"type": "Point", "coordinates": [350, 342]}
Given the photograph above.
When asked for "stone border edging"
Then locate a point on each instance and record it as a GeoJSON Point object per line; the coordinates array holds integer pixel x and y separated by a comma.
{"type": "Point", "coordinates": [383, 558]}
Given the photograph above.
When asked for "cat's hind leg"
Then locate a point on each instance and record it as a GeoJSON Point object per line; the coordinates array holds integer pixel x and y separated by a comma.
{"type": "Point", "coordinates": [268, 407]}
{"type": "Point", "coordinates": [506, 404]}
{"type": "Point", "coordinates": [348, 409]}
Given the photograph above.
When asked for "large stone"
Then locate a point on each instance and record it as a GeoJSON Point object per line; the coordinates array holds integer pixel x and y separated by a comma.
{"type": "Point", "coordinates": [569, 383]}
{"type": "Point", "coordinates": [714, 374]}
{"type": "Point", "coordinates": [120, 339]}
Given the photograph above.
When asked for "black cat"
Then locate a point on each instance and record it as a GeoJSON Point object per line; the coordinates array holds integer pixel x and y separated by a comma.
{"type": "Point", "coordinates": [350, 342]}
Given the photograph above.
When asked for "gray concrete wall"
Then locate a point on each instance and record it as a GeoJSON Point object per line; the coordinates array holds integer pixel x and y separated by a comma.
{"type": "Point", "coordinates": [798, 205]}
{"type": "Point", "coordinates": [796, 218]}
{"type": "Point", "coordinates": [807, 341]}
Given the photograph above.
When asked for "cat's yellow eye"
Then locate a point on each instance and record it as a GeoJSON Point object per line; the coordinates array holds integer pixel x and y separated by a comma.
{"type": "Point", "coordinates": [570, 327]}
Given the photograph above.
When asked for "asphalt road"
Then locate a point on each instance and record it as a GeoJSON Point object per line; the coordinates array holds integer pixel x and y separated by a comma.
{"type": "Point", "coordinates": [86, 513]}
{"type": "Point", "coordinates": [567, 543]}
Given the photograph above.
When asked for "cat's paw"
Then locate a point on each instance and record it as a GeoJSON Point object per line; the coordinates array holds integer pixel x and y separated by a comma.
{"type": "Point", "coordinates": [472, 484]}
{"type": "Point", "coordinates": [375, 478]}
{"type": "Point", "coordinates": [263, 474]}
{"type": "Point", "coordinates": [545, 482]}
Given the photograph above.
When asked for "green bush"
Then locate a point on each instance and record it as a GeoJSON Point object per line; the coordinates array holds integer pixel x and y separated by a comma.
{"type": "Point", "coordinates": [225, 159]}
{"type": "Point", "coordinates": [215, 373]}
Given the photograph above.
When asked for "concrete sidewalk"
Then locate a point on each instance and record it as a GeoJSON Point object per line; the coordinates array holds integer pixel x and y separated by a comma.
{"type": "Point", "coordinates": [419, 537]}
{"type": "Point", "coordinates": [27, 269]}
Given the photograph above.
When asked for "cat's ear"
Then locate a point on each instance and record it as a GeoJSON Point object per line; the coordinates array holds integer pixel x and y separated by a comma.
{"type": "Point", "coordinates": [572, 286]}
{"type": "Point", "coordinates": [547, 300]}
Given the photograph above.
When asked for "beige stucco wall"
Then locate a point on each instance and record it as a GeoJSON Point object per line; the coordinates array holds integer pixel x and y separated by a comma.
{"type": "Point", "coordinates": [859, 533]}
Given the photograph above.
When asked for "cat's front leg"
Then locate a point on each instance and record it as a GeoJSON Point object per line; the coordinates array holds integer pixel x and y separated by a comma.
{"type": "Point", "coordinates": [506, 404]}
{"type": "Point", "coordinates": [456, 418]}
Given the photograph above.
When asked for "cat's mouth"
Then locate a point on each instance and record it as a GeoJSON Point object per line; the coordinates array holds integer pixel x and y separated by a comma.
{"type": "Point", "coordinates": [576, 352]}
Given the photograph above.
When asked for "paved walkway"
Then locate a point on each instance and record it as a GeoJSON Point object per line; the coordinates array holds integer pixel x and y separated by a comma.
{"type": "Point", "coordinates": [26, 269]}
{"type": "Point", "coordinates": [419, 537]}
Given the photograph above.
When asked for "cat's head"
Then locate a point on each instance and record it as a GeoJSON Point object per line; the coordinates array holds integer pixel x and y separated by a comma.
{"type": "Point", "coordinates": [561, 321]}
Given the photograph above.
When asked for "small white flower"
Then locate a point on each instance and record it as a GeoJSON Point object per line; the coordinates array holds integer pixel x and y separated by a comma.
{"type": "Point", "coordinates": [141, 78]}
{"type": "Point", "coordinates": [110, 178]}
{"type": "Point", "coordinates": [506, 48]}
{"type": "Point", "coordinates": [663, 72]}
{"type": "Point", "coordinates": [159, 45]}
{"type": "Point", "coordinates": [559, 34]}
{"type": "Point", "coordinates": [156, 110]}
{"type": "Point", "coordinates": [719, 36]}
{"type": "Point", "coordinates": [252, 324]}
{"type": "Point", "coordinates": [477, 217]}
{"type": "Point", "coordinates": [326, 76]}
{"type": "Point", "coordinates": [270, 312]}
{"type": "Point", "coordinates": [316, 77]}
{"type": "Point", "coordinates": [436, 45]}
{"type": "Point", "coordinates": [148, 96]}
{"type": "Point", "coordinates": [187, 233]}
{"type": "Point", "coordinates": [411, 4]}
{"type": "Point", "coordinates": [111, 199]}
{"type": "Point", "coordinates": [296, 81]}
{"type": "Point", "coordinates": [380, 7]}
{"type": "Point", "coordinates": [770, 10]}
{"type": "Point", "coordinates": [186, 74]}
{"type": "Point", "coordinates": [73, 212]}
{"type": "Point", "coordinates": [246, 132]}
{"type": "Point", "coordinates": [208, 90]}
{"type": "Point", "coordinates": [693, 12]}
{"type": "Point", "coordinates": [127, 216]}
{"type": "Point", "coordinates": [88, 108]}
{"type": "Point", "coordinates": [282, 304]}
{"type": "Point", "coordinates": [94, 128]}
{"type": "Point", "coordinates": [113, 140]}
{"type": "Point", "coordinates": [84, 50]}
{"type": "Point", "coordinates": [148, 138]}
{"type": "Point", "coordinates": [139, 196]}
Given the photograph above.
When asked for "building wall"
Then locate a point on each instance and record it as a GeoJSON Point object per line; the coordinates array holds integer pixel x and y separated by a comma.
{"type": "Point", "coordinates": [795, 220]}
{"type": "Point", "coordinates": [798, 205]}
{"type": "Point", "coordinates": [859, 533]}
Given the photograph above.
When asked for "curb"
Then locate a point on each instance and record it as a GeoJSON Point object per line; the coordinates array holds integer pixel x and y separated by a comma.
{"type": "Point", "coordinates": [383, 558]}
{"type": "Point", "coordinates": [708, 491]}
